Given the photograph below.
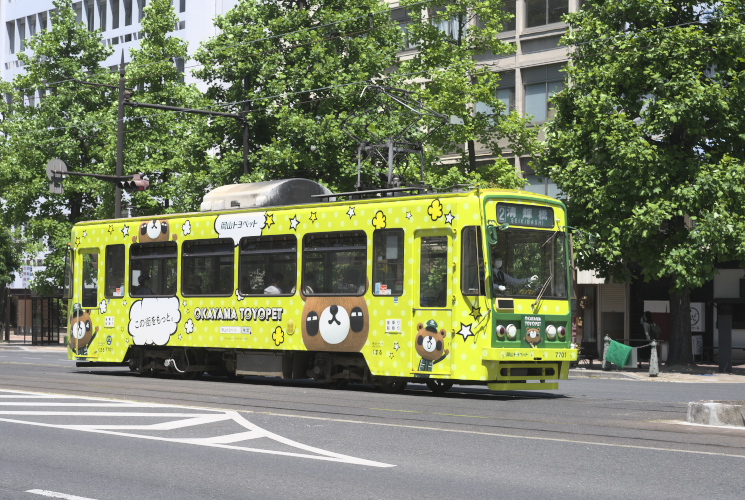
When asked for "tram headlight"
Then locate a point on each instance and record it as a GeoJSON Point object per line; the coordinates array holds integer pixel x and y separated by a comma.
{"type": "Point", "coordinates": [562, 332]}
{"type": "Point", "coordinates": [551, 332]}
{"type": "Point", "coordinates": [511, 331]}
{"type": "Point", "coordinates": [500, 330]}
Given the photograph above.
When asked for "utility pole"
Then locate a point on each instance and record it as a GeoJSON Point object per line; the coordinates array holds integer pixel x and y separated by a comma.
{"type": "Point", "coordinates": [246, 110]}
{"type": "Point", "coordinates": [120, 142]}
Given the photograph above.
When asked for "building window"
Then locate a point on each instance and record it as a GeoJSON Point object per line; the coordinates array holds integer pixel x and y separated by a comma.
{"type": "Point", "coordinates": [536, 184]}
{"type": "Point", "coordinates": [31, 25]}
{"type": "Point", "coordinates": [21, 35]}
{"type": "Point", "coordinates": [114, 14]}
{"type": "Point", "coordinates": [43, 21]}
{"type": "Point", "coordinates": [388, 262]}
{"type": "Point", "coordinates": [207, 267]}
{"type": "Point", "coordinates": [115, 271]}
{"type": "Point", "coordinates": [127, 12]}
{"type": "Point", "coordinates": [335, 263]}
{"type": "Point", "coordinates": [140, 10]}
{"type": "Point", "coordinates": [540, 84]}
{"type": "Point", "coordinates": [89, 15]}
{"type": "Point", "coordinates": [268, 265]}
{"type": "Point", "coordinates": [153, 269]}
{"type": "Point", "coordinates": [10, 28]}
{"type": "Point", "coordinates": [505, 93]}
{"type": "Point", "coordinates": [102, 14]}
{"type": "Point", "coordinates": [542, 12]}
{"type": "Point", "coordinates": [182, 5]}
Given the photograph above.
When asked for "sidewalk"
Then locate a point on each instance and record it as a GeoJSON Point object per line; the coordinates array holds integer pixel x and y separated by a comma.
{"type": "Point", "coordinates": [699, 373]}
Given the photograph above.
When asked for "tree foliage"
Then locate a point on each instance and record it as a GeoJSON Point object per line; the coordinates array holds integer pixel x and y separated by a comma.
{"type": "Point", "coordinates": [300, 65]}
{"type": "Point", "coordinates": [451, 37]}
{"type": "Point", "coordinates": [170, 147]}
{"type": "Point", "coordinates": [648, 142]}
{"type": "Point", "coordinates": [68, 122]}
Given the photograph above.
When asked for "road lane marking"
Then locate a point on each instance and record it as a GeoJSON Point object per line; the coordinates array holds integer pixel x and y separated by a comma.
{"type": "Point", "coordinates": [513, 436]}
{"type": "Point", "coordinates": [198, 417]}
{"type": "Point", "coordinates": [56, 494]}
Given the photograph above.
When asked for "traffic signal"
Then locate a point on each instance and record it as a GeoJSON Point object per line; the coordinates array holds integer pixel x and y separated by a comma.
{"type": "Point", "coordinates": [137, 183]}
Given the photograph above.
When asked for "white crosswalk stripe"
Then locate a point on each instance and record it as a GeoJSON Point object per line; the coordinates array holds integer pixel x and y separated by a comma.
{"type": "Point", "coordinates": [166, 418]}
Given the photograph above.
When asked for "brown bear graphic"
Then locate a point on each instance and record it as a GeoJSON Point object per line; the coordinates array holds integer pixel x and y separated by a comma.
{"type": "Point", "coordinates": [335, 323]}
{"type": "Point", "coordinates": [81, 329]}
{"type": "Point", "coordinates": [154, 230]}
{"type": "Point", "coordinates": [430, 345]}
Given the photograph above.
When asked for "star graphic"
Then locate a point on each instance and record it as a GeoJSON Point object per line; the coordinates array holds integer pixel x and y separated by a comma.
{"type": "Point", "coordinates": [449, 218]}
{"type": "Point", "coordinates": [85, 234]}
{"type": "Point", "coordinates": [77, 240]}
{"type": "Point", "coordinates": [294, 222]}
{"type": "Point", "coordinates": [396, 346]}
{"type": "Point", "coordinates": [269, 220]}
{"type": "Point", "coordinates": [180, 336]}
{"type": "Point", "coordinates": [313, 217]}
{"type": "Point", "coordinates": [111, 228]}
{"type": "Point", "coordinates": [476, 312]}
{"type": "Point", "coordinates": [125, 231]}
{"type": "Point", "coordinates": [465, 331]}
{"type": "Point", "coordinates": [409, 215]}
{"type": "Point", "coordinates": [391, 355]}
{"type": "Point", "coordinates": [350, 212]}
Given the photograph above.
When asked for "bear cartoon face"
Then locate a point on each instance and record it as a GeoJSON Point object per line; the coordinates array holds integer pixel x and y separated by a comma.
{"type": "Point", "coordinates": [81, 329]}
{"type": "Point", "coordinates": [430, 343]}
{"type": "Point", "coordinates": [533, 336]}
{"type": "Point", "coordinates": [335, 323]}
{"type": "Point", "coordinates": [154, 230]}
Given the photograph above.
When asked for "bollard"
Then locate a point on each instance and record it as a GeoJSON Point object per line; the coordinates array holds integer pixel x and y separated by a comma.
{"type": "Point", "coordinates": [606, 364]}
{"type": "Point", "coordinates": [654, 368]}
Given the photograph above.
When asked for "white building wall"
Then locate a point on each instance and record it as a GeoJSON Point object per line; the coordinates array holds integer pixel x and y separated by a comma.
{"type": "Point", "coordinates": [195, 25]}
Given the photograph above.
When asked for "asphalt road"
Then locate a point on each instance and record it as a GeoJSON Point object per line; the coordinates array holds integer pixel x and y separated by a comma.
{"type": "Point", "coordinates": [109, 434]}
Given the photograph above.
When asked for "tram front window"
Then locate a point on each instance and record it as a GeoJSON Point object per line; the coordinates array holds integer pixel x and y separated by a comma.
{"type": "Point", "coordinates": [523, 261]}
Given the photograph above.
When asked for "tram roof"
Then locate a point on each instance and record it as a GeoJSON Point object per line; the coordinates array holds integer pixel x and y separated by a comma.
{"type": "Point", "coordinates": [292, 192]}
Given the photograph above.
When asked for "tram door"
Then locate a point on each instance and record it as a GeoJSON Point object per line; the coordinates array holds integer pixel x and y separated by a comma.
{"type": "Point", "coordinates": [84, 322]}
{"type": "Point", "coordinates": [432, 270]}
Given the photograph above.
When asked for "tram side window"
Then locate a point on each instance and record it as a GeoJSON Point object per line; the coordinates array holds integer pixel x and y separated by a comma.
{"type": "Point", "coordinates": [90, 280]}
{"type": "Point", "coordinates": [433, 271]}
{"type": "Point", "coordinates": [268, 265]}
{"type": "Point", "coordinates": [114, 271]}
{"type": "Point", "coordinates": [153, 269]}
{"type": "Point", "coordinates": [207, 267]}
{"type": "Point", "coordinates": [388, 263]}
{"type": "Point", "coordinates": [335, 263]}
{"type": "Point", "coordinates": [472, 258]}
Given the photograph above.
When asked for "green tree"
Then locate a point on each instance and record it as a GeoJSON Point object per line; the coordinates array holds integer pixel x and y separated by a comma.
{"type": "Point", "coordinates": [67, 122]}
{"type": "Point", "coordinates": [10, 256]}
{"type": "Point", "coordinates": [452, 37]}
{"type": "Point", "coordinates": [649, 140]}
{"type": "Point", "coordinates": [300, 66]}
{"type": "Point", "coordinates": [170, 147]}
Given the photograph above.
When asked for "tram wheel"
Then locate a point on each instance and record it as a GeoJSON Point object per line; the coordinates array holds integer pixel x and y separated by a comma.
{"type": "Point", "coordinates": [438, 386]}
{"type": "Point", "coordinates": [392, 385]}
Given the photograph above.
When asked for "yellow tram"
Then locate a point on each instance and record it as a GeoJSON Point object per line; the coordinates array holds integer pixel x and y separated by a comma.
{"type": "Point", "coordinates": [280, 278]}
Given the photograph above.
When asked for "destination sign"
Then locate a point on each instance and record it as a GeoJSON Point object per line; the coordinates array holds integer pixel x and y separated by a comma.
{"type": "Point", "coordinates": [525, 215]}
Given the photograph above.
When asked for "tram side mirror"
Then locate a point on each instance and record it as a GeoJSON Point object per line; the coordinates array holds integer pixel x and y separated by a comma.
{"type": "Point", "coordinates": [492, 231]}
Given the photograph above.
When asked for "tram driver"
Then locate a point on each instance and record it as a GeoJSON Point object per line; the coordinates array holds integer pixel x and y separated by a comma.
{"type": "Point", "coordinates": [501, 278]}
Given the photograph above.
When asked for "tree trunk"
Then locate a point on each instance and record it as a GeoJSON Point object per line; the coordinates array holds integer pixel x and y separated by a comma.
{"type": "Point", "coordinates": [680, 352]}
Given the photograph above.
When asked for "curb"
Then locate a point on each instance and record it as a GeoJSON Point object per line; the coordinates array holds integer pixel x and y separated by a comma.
{"type": "Point", "coordinates": [721, 413]}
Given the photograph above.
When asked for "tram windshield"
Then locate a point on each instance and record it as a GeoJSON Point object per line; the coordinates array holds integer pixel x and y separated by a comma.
{"type": "Point", "coordinates": [524, 261]}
